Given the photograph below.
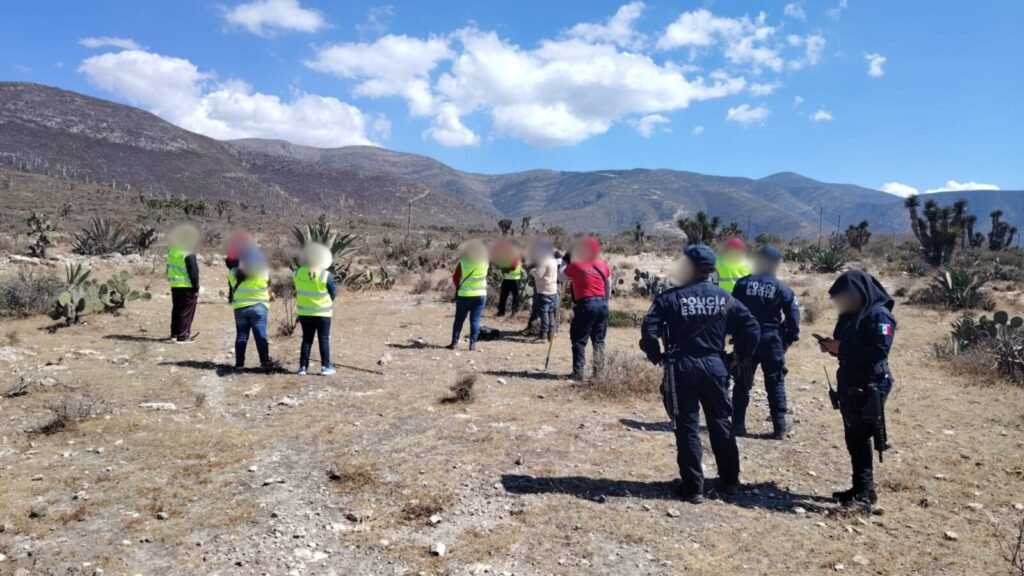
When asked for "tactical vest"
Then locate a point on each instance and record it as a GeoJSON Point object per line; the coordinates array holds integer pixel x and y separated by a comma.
{"type": "Point", "coordinates": [730, 270]}
{"type": "Point", "coordinates": [473, 282]}
{"type": "Point", "coordinates": [177, 272]}
{"type": "Point", "coordinates": [250, 292]}
{"type": "Point", "coordinates": [311, 295]}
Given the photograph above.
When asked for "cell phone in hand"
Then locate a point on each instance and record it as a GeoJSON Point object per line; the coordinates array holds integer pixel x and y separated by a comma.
{"type": "Point", "coordinates": [820, 338]}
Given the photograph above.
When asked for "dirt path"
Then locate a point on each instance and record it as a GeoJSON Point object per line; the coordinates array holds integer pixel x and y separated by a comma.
{"type": "Point", "coordinates": [281, 474]}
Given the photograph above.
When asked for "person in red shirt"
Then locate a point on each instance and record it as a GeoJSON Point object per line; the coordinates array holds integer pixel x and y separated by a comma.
{"type": "Point", "coordinates": [591, 286]}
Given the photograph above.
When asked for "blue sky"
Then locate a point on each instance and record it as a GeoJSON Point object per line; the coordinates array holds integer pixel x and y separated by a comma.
{"type": "Point", "coordinates": [911, 94]}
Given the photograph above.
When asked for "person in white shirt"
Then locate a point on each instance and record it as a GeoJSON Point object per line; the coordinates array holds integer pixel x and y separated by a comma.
{"type": "Point", "coordinates": [545, 292]}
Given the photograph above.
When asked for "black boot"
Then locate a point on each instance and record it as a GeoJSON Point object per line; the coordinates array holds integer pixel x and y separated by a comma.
{"type": "Point", "coordinates": [858, 495]}
{"type": "Point", "coordinates": [782, 430]}
{"type": "Point", "coordinates": [692, 497]}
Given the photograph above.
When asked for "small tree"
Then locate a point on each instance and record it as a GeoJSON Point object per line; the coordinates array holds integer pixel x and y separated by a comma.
{"type": "Point", "coordinates": [223, 208]}
{"type": "Point", "coordinates": [505, 226]}
{"type": "Point", "coordinates": [524, 226]}
{"type": "Point", "coordinates": [639, 236]}
{"type": "Point", "coordinates": [1001, 236]}
{"type": "Point", "coordinates": [857, 237]}
{"type": "Point", "coordinates": [41, 231]}
{"type": "Point", "coordinates": [938, 231]}
{"type": "Point", "coordinates": [700, 229]}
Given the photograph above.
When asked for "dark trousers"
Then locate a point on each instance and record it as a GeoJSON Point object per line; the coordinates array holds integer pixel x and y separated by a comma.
{"type": "Point", "coordinates": [183, 311]}
{"type": "Point", "coordinates": [858, 440]}
{"type": "Point", "coordinates": [251, 319]}
{"type": "Point", "coordinates": [772, 361]}
{"type": "Point", "coordinates": [696, 389]}
{"type": "Point", "coordinates": [543, 311]}
{"type": "Point", "coordinates": [472, 306]}
{"type": "Point", "coordinates": [509, 287]}
{"type": "Point", "coordinates": [589, 322]}
{"type": "Point", "coordinates": [318, 327]}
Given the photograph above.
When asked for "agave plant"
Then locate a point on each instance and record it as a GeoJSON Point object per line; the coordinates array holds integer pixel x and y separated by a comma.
{"type": "Point", "coordinates": [102, 237]}
{"type": "Point", "coordinates": [829, 260]}
{"type": "Point", "coordinates": [342, 246]}
{"type": "Point", "coordinates": [960, 288]}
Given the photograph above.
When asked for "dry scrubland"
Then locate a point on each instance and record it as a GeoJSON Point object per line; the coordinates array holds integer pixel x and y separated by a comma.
{"type": "Point", "coordinates": [362, 473]}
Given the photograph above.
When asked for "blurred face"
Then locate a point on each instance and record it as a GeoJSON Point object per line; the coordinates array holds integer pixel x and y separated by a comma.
{"type": "Point", "coordinates": [764, 265]}
{"type": "Point", "coordinates": [847, 302]}
{"type": "Point", "coordinates": [582, 251]}
{"type": "Point", "coordinates": [683, 272]}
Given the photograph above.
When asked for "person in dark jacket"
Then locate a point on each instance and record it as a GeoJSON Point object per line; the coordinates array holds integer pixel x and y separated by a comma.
{"type": "Point", "coordinates": [693, 321]}
{"type": "Point", "coordinates": [774, 305]}
{"type": "Point", "coordinates": [861, 340]}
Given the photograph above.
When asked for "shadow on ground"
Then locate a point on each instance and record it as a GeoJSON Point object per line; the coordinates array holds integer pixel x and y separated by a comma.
{"type": "Point", "coordinates": [415, 346]}
{"type": "Point", "coordinates": [135, 338]}
{"type": "Point", "coordinates": [525, 374]}
{"type": "Point", "coordinates": [646, 426]}
{"type": "Point", "coordinates": [766, 496]}
{"type": "Point", "coordinates": [225, 369]}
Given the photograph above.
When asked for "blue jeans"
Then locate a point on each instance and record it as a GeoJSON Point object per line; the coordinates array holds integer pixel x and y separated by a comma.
{"type": "Point", "coordinates": [254, 319]}
{"type": "Point", "coordinates": [589, 322]}
{"type": "Point", "coordinates": [544, 306]}
{"type": "Point", "coordinates": [472, 306]}
{"type": "Point", "coordinates": [318, 327]}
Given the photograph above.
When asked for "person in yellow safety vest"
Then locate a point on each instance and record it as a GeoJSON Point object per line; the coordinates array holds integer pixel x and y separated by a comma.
{"type": "Point", "coordinates": [249, 294]}
{"type": "Point", "coordinates": [511, 276]}
{"type": "Point", "coordinates": [732, 264]}
{"type": "Point", "coordinates": [183, 278]}
{"type": "Point", "coordinates": [315, 293]}
{"type": "Point", "coordinates": [470, 281]}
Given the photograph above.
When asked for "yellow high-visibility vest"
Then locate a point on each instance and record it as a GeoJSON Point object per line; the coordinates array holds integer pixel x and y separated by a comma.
{"type": "Point", "coordinates": [730, 270]}
{"type": "Point", "coordinates": [473, 281]}
{"type": "Point", "coordinates": [252, 291]}
{"type": "Point", "coordinates": [177, 272]}
{"type": "Point", "coordinates": [514, 274]}
{"type": "Point", "coordinates": [311, 295]}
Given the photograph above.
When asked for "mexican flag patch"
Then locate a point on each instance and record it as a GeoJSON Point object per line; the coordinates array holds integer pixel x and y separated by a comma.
{"type": "Point", "coordinates": [885, 329]}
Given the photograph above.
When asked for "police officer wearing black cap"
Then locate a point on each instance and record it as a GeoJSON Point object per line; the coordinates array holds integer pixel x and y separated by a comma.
{"type": "Point", "coordinates": [772, 302]}
{"type": "Point", "coordinates": [693, 320]}
{"type": "Point", "coordinates": [861, 340]}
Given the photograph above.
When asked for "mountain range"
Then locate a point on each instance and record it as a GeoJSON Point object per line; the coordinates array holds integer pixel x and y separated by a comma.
{"type": "Point", "coordinates": [61, 133]}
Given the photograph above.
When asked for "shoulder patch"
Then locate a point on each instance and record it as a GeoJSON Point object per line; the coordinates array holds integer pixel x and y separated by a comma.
{"type": "Point", "coordinates": [885, 329]}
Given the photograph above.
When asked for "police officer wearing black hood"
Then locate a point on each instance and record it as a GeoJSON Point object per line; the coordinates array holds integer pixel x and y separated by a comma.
{"type": "Point", "coordinates": [861, 340]}
{"type": "Point", "coordinates": [772, 302]}
{"type": "Point", "coordinates": [693, 320]}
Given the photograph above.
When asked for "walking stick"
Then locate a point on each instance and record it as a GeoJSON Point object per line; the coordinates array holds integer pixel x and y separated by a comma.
{"type": "Point", "coordinates": [558, 308]}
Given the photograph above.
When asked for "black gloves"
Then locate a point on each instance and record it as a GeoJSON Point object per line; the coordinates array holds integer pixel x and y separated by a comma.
{"type": "Point", "coordinates": [652, 348]}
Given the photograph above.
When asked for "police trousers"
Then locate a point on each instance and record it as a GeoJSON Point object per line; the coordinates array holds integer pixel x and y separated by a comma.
{"type": "Point", "coordinates": [700, 383]}
{"type": "Point", "coordinates": [771, 358]}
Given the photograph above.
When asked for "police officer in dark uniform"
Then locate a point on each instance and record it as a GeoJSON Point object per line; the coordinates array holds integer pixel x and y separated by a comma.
{"type": "Point", "coordinates": [772, 302]}
{"type": "Point", "coordinates": [693, 321]}
{"type": "Point", "coordinates": [861, 340]}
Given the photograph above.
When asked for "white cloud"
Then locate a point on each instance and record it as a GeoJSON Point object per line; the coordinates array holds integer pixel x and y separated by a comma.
{"type": "Point", "coordinates": [378, 19]}
{"type": "Point", "coordinates": [795, 10]}
{"type": "Point", "coordinates": [110, 41]}
{"type": "Point", "coordinates": [798, 101]}
{"type": "Point", "coordinates": [697, 130]}
{"type": "Point", "coordinates": [876, 65]}
{"type": "Point", "coordinates": [821, 115]}
{"type": "Point", "coordinates": [262, 17]}
{"type": "Point", "coordinates": [814, 47]}
{"type": "Point", "coordinates": [447, 128]}
{"type": "Point", "coordinates": [836, 12]}
{"type": "Point", "coordinates": [646, 126]}
{"type": "Point", "coordinates": [618, 30]}
{"type": "Point", "coordinates": [954, 186]}
{"type": "Point", "coordinates": [390, 66]}
{"type": "Point", "coordinates": [764, 89]}
{"type": "Point", "coordinates": [746, 115]}
{"type": "Point", "coordinates": [899, 189]}
{"type": "Point", "coordinates": [176, 90]}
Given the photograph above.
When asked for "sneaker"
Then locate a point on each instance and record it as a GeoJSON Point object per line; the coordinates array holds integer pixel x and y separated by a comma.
{"type": "Point", "coordinates": [302, 372]}
{"type": "Point", "coordinates": [185, 340]}
{"type": "Point", "coordinates": [328, 370]}
{"type": "Point", "coordinates": [739, 431]}
{"type": "Point", "coordinates": [692, 497]}
{"type": "Point", "coordinates": [450, 346]}
{"type": "Point", "coordinates": [726, 491]}
{"type": "Point", "coordinates": [472, 346]}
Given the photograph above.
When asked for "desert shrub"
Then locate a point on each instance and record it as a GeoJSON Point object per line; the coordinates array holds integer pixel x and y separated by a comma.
{"type": "Point", "coordinates": [425, 505]}
{"type": "Point", "coordinates": [647, 284]}
{"type": "Point", "coordinates": [625, 375]}
{"type": "Point", "coordinates": [462, 389]}
{"type": "Point", "coordinates": [42, 233]}
{"type": "Point", "coordinates": [102, 237]}
{"type": "Point", "coordinates": [282, 286]}
{"type": "Point", "coordinates": [289, 319]}
{"type": "Point", "coordinates": [342, 246]}
{"type": "Point", "coordinates": [422, 285]}
{"type": "Point", "coordinates": [956, 288]}
{"type": "Point", "coordinates": [810, 311]}
{"type": "Point", "coordinates": [829, 260]}
{"type": "Point", "coordinates": [69, 410]}
{"type": "Point", "coordinates": [624, 319]}
{"type": "Point", "coordinates": [995, 345]}
{"type": "Point", "coordinates": [28, 294]}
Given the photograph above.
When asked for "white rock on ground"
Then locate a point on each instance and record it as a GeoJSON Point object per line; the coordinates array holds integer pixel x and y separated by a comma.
{"type": "Point", "coordinates": [159, 406]}
{"type": "Point", "coordinates": [438, 549]}
{"type": "Point", "coordinates": [951, 536]}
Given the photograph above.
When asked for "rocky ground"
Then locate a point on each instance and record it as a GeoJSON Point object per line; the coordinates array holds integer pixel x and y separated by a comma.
{"type": "Point", "coordinates": [187, 467]}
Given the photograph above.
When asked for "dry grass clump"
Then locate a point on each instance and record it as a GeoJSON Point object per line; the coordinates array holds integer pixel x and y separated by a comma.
{"type": "Point", "coordinates": [286, 325]}
{"type": "Point", "coordinates": [462, 389]}
{"type": "Point", "coordinates": [625, 375]}
{"type": "Point", "coordinates": [350, 477]}
{"type": "Point", "coordinates": [425, 505]}
{"type": "Point", "coordinates": [23, 295]}
{"type": "Point", "coordinates": [422, 285]}
{"type": "Point", "coordinates": [70, 410]}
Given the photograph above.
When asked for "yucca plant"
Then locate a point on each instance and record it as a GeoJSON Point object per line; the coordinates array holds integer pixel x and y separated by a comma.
{"type": "Point", "coordinates": [342, 246]}
{"type": "Point", "coordinates": [960, 288]}
{"type": "Point", "coordinates": [102, 237]}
